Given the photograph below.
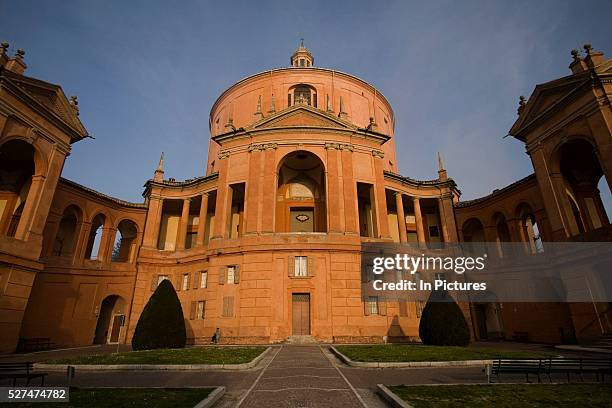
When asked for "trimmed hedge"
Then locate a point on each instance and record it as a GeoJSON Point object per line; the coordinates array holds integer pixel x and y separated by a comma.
{"type": "Point", "coordinates": [442, 322]}
{"type": "Point", "coordinates": [161, 324]}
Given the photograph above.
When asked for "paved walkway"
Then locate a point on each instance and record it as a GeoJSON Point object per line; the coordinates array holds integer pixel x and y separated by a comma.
{"type": "Point", "coordinates": [301, 376]}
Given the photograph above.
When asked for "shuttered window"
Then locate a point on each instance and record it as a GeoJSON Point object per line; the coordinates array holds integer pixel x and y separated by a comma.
{"type": "Point", "coordinates": [200, 309]}
{"type": "Point", "coordinates": [228, 306]}
{"type": "Point", "coordinates": [185, 281]}
{"type": "Point", "coordinates": [300, 268]}
{"type": "Point", "coordinates": [203, 279]}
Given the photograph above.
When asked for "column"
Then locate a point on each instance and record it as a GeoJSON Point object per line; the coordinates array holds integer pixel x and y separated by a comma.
{"type": "Point", "coordinates": [201, 238]}
{"type": "Point", "coordinates": [251, 205]}
{"type": "Point", "coordinates": [349, 191]}
{"type": "Point", "coordinates": [401, 218]}
{"type": "Point", "coordinates": [183, 225]}
{"type": "Point", "coordinates": [333, 191]}
{"type": "Point", "coordinates": [447, 217]}
{"type": "Point", "coordinates": [382, 222]}
{"type": "Point", "coordinates": [268, 201]}
{"type": "Point", "coordinates": [419, 220]}
{"type": "Point", "coordinates": [107, 243]}
{"type": "Point", "coordinates": [151, 231]}
{"type": "Point", "coordinates": [29, 209]}
{"type": "Point", "coordinates": [223, 191]}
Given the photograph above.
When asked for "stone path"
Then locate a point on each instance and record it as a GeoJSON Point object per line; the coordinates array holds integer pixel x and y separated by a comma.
{"type": "Point", "coordinates": [301, 376]}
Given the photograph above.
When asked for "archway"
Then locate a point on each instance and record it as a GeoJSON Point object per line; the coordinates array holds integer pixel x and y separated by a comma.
{"type": "Point", "coordinates": [529, 229]}
{"type": "Point", "coordinates": [300, 204]}
{"type": "Point", "coordinates": [503, 233]}
{"type": "Point", "coordinates": [17, 166]}
{"type": "Point", "coordinates": [95, 236]}
{"type": "Point", "coordinates": [111, 317]}
{"type": "Point", "coordinates": [65, 239]}
{"type": "Point", "coordinates": [125, 242]}
{"type": "Point", "coordinates": [473, 234]}
{"type": "Point", "coordinates": [582, 172]}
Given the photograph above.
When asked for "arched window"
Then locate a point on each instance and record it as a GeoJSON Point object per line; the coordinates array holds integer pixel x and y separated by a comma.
{"type": "Point", "coordinates": [16, 170]}
{"type": "Point", "coordinates": [302, 95]}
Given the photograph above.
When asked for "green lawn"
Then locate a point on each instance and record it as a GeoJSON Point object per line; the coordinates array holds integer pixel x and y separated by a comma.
{"type": "Point", "coordinates": [189, 355]}
{"type": "Point", "coordinates": [417, 352]}
{"type": "Point", "coordinates": [126, 398]}
{"type": "Point", "coordinates": [506, 395]}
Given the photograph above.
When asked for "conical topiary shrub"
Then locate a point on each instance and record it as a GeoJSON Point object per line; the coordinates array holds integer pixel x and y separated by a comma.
{"type": "Point", "coordinates": [161, 324]}
{"type": "Point", "coordinates": [442, 322]}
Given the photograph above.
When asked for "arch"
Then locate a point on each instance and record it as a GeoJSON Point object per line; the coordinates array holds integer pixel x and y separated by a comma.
{"type": "Point", "coordinates": [66, 237]}
{"type": "Point", "coordinates": [529, 229]}
{"type": "Point", "coordinates": [93, 250]}
{"type": "Point", "coordinates": [17, 167]}
{"type": "Point", "coordinates": [581, 170]}
{"type": "Point", "coordinates": [111, 314]}
{"type": "Point", "coordinates": [40, 159]}
{"type": "Point", "coordinates": [473, 230]}
{"type": "Point", "coordinates": [124, 247]}
{"type": "Point", "coordinates": [301, 204]}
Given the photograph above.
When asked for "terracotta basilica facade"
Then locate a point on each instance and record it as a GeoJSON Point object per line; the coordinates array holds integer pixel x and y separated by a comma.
{"type": "Point", "coordinates": [301, 170]}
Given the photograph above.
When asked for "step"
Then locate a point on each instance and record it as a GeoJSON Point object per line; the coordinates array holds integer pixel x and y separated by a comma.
{"type": "Point", "coordinates": [301, 340]}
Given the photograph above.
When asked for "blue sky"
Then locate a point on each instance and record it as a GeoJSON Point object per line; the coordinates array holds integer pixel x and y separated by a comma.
{"type": "Point", "coordinates": [147, 72]}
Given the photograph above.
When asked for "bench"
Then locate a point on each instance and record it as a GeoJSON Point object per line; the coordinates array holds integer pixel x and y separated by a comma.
{"type": "Point", "coordinates": [20, 370]}
{"type": "Point", "coordinates": [579, 366]}
{"type": "Point", "coordinates": [550, 366]}
{"type": "Point", "coordinates": [34, 344]}
{"type": "Point", "coordinates": [517, 366]}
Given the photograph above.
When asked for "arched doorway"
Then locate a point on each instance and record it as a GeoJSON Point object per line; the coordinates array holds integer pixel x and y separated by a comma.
{"type": "Point", "coordinates": [17, 167]}
{"type": "Point", "coordinates": [111, 318]}
{"type": "Point", "coordinates": [300, 204]}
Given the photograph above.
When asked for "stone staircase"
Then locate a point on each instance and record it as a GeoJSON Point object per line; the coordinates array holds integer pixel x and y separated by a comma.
{"type": "Point", "coordinates": [301, 340]}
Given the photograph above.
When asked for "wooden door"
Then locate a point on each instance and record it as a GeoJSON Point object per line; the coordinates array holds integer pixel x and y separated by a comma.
{"type": "Point", "coordinates": [301, 314]}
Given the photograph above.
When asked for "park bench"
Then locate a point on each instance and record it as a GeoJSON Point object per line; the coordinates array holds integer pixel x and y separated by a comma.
{"type": "Point", "coordinates": [579, 366]}
{"type": "Point", "coordinates": [34, 344]}
{"type": "Point", "coordinates": [550, 366]}
{"type": "Point", "coordinates": [20, 370]}
{"type": "Point", "coordinates": [517, 366]}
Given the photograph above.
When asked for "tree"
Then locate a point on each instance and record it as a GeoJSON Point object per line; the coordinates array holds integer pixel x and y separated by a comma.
{"type": "Point", "coordinates": [442, 322]}
{"type": "Point", "coordinates": [116, 251]}
{"type": "Point", "coordinates": [161, 324]}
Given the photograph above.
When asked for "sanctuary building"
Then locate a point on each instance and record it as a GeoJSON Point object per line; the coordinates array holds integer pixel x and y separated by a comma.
{"type": "Point", "coordinates": [301, 170]}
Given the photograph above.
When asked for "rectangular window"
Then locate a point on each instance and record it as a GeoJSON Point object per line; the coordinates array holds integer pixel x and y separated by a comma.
{"type": "Point", "coordinates": [372, 305]}
{"type": "Point", "coordinates": [185, 284]}
{"type": "Point", "coordinates": [228, 306]}
{"type": "Point", "coordinates": [433, 231]}
{"type": "Point", "coordinates": [200, 311]}
{"type": "Point", "coordinates": [231, 274]}
{"type": "Point", "coordinates": [203, 279]}
{"type": "Point", "coordinates": [439, 276]}
{"type": "Point", "coordinates": [301, 266]}
{"type": "Point", "coordinates": [288, 100]}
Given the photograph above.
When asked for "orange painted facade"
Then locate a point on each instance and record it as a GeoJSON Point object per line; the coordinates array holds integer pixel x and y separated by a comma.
{"type": "Point", "coordinates": [301, 171]}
